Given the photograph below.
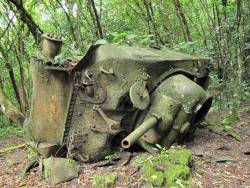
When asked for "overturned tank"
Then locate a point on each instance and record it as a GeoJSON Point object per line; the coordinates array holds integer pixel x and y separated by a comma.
{"type": "Point", "coordinates": [115, 96]}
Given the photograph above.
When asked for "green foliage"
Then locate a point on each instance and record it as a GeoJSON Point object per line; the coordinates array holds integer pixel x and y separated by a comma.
{"type": "Point", "coordinates": [216, 32]}
{"type": "Point", "coordinates": [225, 125]}
{"type": "Point", "coordinates": [230, 119]}
{"type": "Point", "coordinates": [101, 181]}
{"type": "Point", "coordinates": [228, 94]}
{"type": "Point", "coordinates": [32, 153]}
{"type": "Point", "coordinates": [227, 121]}
{"type": "Point", "coordinates": [247, 108]}
{"type": "Point", "coordinates": [190, 48]}
{"type": "Point", "coordinates": [127, 38]}
{"type": "Point", "coordinates": [7, 128]}
{"type": "Point", "coordinates": [101, 41]}
{"type": "Point", "coordinates": [110, 157]}
{"type": "Point", "coordinates": [69, 51]}
{"type": "Point", "coordinates": [212, 122]}
{"type": "Point", "coordinates": [169, 169]}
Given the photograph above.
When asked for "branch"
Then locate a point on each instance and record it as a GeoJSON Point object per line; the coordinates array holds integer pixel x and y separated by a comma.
{"type": "Point", "coordinates": [6, 29]}
{"type": "Point", "coordinates": [12, 148]}
{"type": "Point", "coordinates": [35, 30]}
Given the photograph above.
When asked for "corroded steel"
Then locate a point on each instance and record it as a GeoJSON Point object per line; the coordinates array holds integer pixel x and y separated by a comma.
{"type": "Point", "coordinates": [139, 131]}
{"type": "Point", "coordinates": [87, 107]}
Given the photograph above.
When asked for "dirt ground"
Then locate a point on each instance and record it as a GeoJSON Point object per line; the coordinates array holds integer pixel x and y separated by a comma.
{"type": "Point", "coordinates": [207, 148]}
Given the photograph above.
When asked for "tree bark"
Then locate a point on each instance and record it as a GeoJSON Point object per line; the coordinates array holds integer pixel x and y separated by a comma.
{"type": "Point", "coordinates": [182, 18]}
{"type": "Point", "coordinates": [167, 24]}
{"type": "Point", "coordinates": [1, 82]}
{"type": "Point", "coordinates": [14, 83]}
{"type": "Point", "coordinates": [238, 42]}
{"type": "Point", "coordinates": [20, 58]}
{"type": "Point", "coordinates": [150, 17]}
{"type": "Point", "coordinates": [92, 18]}
{"type": "Point", "coordinates": [215, 39]}
{"type": "Point", "coordinates": [12, 75]}
{"type": "Point", "coordinates": [70, 22]}
{"type": "Point", "coordinates": [35, 30]}
{"type": "Point", "coordinates": [96, 18]}
{"type": "Point", "coordinates": [9, 110]}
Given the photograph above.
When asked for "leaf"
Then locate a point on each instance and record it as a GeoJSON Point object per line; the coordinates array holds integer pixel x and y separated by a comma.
{"type": "Point", "coordinates": [158, 146]}
{"type": "Point", "coordinates": [131, 36]}
{"type": "Point", "coordinates": [233, 134]}
{"type": "Point", "coordinates": [101, 41]}
{"type": "Point", "coordinates": [103, 163]}
{"type": "Point", "coordinates": [217, 130]}
{"type": "Point", "coordinates": [224, 159]}
{"type": "Point", "coordinates": [224, 148]}
{"type": "Point", "coordinates": [125, 158]}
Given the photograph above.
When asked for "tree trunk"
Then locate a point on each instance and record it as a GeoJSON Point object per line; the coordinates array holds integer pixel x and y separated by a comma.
{"type": "Point", "coordinates": [97, 20]}
{"type": "Point", "coordinates": [20, 58]}
{"type": "Point", "coordinates": [238, 42]}
{"type": "Point", "coordinates": [182, 19]}
{"type": "Point", "coordinates": [211, 24]}
{"type": "Point", "coordinates": [12, 75]}
{"type": "Point", "coordinates": [14, 83]}
{"type": "Point", "coordinates": [27, 19]}
{"type": "Point", "coordinates": [150, 18]}
{"type": "Point", "coordinates": [9, 110]}
{"type": "Point", "coordinates": [1, 82]}
{"type": "Point", "coordinates": [141, 14]}
{"type": "Point", "coordinates": [70, 22]}
{"type": "Point", "coordinates": [92, 18]}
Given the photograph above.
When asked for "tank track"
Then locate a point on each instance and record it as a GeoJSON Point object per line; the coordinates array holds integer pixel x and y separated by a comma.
{"type": "Point", "coordinates": [71, 107]}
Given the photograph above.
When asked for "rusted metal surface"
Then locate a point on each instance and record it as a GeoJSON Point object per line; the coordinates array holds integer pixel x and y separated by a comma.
{"type": "Point", "coordinates": [90, 105]}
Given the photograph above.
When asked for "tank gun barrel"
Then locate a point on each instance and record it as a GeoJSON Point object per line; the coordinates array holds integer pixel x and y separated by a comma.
{"type": "Point", "coordinates": [139, 131]}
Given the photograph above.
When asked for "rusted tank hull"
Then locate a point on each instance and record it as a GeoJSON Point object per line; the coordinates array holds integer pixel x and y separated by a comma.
{"type": "Point", "coordinates": [92, 105]}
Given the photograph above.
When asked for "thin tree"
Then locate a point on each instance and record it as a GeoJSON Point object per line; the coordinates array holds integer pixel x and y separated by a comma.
{"type": "Point", "coordinates": [27, 19]}
{"type": "Point", "coordinates": [95, 17]}
{"type": "Point", "coordinates": [183, 20]}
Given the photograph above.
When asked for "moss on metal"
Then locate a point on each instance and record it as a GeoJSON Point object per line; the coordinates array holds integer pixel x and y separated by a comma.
{"type": "Point", "coordinates": [64, 112]}
{"type": "Point", "coordinates": [169, 169]}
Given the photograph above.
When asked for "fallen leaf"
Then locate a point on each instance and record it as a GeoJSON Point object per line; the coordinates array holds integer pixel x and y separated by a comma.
{"type": "Point", "coordinates": [223, 159]}
{"type": "Point", "coordinates": [233, 134]}
{"type": "Point", "coordinates": [224, 148]}
{"type": "Point", "coordinates": [125, 158]}
{"type": "Point", "coordinates": [103, 163]}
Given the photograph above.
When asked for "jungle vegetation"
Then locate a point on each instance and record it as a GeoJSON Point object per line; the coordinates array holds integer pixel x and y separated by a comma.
{"type": "Point", "coordinates": [218, 29]}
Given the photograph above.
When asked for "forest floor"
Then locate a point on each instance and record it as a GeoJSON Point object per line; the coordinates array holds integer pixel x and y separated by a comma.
{"type": "Point", "coordinates": [219, 160]}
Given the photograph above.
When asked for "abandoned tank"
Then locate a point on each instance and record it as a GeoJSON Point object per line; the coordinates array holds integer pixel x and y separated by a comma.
{"type": "Point", "coordinates": [114, 97]}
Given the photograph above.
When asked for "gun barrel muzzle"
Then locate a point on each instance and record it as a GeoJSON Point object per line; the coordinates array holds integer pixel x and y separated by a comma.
{"type": "Point", "coordinates": [139, 131]}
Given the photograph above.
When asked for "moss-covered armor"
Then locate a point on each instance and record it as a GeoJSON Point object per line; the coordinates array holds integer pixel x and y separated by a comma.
{"type": "Point", "coordinates": [116, 96]}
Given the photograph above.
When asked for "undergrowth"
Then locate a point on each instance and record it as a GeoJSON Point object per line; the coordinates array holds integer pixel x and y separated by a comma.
{"type": "Point", "coordinates": [228, 94]}
{"type": "Point", "coordinates": [171, 168]}
{"type": "Point", "coordinates": [102, 181]}
{"type": "Point", "coordinates": [8, 128]}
